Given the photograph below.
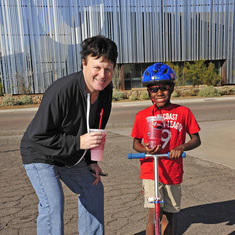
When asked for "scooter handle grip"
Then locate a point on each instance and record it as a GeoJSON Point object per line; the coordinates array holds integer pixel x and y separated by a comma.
{"type": "Point", "coordinates": [136, 155]}
{"type": "Point", "coordinates": [183, 155]}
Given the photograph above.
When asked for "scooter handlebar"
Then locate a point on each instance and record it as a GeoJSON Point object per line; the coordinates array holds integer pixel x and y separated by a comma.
{"type": "Point", "coordinates": [143, 155]}
{"type": "Point", "coordinates": [136, 155]}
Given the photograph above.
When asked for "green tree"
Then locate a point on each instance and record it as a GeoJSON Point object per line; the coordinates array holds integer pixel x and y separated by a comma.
{"type": "Point", "coordinates": [181, 75]}
{"type": "Point", "coordinates": [24, 84]}
{"type": "Point", "coordinates": [178, 71]}
{"type": "Point", "coordinates": [194, 72]}
{"type": "Point", "coordinates": [211, 77]}
{"type": "Point", "coordinates": [116, 78]}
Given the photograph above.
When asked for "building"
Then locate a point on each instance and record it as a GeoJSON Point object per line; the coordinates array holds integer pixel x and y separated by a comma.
{"type": "Point", "coordinates": [40, 40]}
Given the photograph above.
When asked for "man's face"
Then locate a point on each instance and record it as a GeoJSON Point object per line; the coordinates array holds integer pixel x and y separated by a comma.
{"type": "Point", "coordinates": [97, 73]}
{"type": "Point", "coordinates": [160, 94]}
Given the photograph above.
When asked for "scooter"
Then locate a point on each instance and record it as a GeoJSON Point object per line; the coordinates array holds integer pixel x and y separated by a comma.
{"type": "Point", "coordinates": [156, 199]}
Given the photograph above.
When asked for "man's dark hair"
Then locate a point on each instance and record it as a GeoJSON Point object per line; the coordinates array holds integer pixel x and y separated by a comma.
{"type": "Point", "coordinates": [99, 46]}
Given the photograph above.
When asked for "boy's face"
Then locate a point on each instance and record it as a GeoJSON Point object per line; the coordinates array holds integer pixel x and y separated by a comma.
{"type": "Point", "coordinates": [97, 73]}
{"type": "Point", "coordinates": [160, 94]}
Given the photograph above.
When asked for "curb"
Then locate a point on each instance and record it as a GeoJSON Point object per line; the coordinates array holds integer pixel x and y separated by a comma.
{"type": "Point", "coordinates": [134, 103]}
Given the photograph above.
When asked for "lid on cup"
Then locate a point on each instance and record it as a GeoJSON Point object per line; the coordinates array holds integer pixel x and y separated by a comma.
{"type": "Point", "coordinates": [158, 118]}
{"type": "Point", "coordinates": [155, 122]}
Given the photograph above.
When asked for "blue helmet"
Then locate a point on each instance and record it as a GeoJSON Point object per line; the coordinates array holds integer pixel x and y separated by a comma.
{"type": "Point", "coordinates": [158, 73]}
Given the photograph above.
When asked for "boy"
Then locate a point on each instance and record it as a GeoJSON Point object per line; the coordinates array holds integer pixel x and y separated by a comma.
{"type": "Point", "coordinates": [179, 120]}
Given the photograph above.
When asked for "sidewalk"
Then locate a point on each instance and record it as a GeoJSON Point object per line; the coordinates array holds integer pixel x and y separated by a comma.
{"type": "Point", "coordinates": [207, 203]}
{"type": "Point", "coordinates": [208, 189]}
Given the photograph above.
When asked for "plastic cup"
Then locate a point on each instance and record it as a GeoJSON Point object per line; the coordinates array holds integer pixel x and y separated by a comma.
{"type": "Point", "coordinates": [97, 153]}
{"type": "Point", "coordinates": [154, 128]}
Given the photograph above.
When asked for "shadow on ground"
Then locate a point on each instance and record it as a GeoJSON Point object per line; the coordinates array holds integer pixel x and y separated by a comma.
{"type": "Point", "coordinates": [215, 213]}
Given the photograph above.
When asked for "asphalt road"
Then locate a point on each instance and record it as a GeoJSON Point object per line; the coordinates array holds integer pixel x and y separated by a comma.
{"type": "Point", "coordinates": [208, 189]}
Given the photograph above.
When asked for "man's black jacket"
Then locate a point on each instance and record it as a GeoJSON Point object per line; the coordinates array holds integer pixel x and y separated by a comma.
{"type": "Point", "coordinates": [53, 136]}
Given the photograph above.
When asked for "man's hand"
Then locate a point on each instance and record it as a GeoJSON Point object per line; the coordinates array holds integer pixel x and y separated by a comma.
{"type": "Point", "coordinates": [97, 170]}
{"type": "Point", "coordinates": [90, 140]}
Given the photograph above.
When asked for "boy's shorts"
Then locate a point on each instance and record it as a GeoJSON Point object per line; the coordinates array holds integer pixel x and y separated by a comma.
{"type": "Point", "coordinates": [171, 194]}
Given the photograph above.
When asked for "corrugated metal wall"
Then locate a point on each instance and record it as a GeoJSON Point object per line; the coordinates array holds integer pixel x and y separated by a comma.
{"type": "Point", "coordinates": [40, 39]}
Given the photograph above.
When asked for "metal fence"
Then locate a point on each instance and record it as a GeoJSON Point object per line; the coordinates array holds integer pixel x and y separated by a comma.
{"type": "Point", "coordinates": [40, 40]}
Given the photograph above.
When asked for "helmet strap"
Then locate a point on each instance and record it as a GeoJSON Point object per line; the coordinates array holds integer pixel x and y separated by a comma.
{"type": "Point", "coordinates": [159, 108]}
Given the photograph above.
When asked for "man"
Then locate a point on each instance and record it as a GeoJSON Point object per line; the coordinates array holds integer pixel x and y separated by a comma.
{"type": "Point", "coordinates": [56, 145]}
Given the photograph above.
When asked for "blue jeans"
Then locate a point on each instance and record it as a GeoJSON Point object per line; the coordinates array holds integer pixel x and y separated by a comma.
{"type": "Point", "coordinates": [45, 179]}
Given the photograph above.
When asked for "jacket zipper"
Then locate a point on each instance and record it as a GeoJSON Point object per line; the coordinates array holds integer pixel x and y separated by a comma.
{"type": "Point", "coordinates": [87, 124]}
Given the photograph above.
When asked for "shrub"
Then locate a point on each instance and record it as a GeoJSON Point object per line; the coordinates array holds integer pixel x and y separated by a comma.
{"type": "Point", "coordinates": [1, 89]}
{"type": "Point", "coordinates": [144, 96]}
{"type": "Point", "coordinates": [192, 91]}
{"type": "Point", "coordinates": [133, 97]}
{"type": "Point", "coordinates": [209, 91]}
{"type": "Point", "coordinates": [117, 95]}
{"type": "Point", "coordinates": [194, 72]}
{"type": "Point", "coordinates": [211, 76]}
{"type": "Point", "coordinates": [8, 101]}
{"type": "Point", "coordinates": [226, 90]}
{"type": "Point", "coordinates": [185, 93]}
{"type": "Point", "coordinates": [25, 99]}
{"type": "Point", "coordinates": [176, 93]}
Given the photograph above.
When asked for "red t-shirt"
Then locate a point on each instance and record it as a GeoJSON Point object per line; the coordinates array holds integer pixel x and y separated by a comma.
{"type": "Point", "coordinates": [179, 120]}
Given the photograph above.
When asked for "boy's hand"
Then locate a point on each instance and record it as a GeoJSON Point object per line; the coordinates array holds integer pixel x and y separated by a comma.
{"type": "Point", "coordinates": [176, 153]}
{"type": "Point", "coordinates": [154, 150]}
{"type": "Point", "coordinates": [191, 144]}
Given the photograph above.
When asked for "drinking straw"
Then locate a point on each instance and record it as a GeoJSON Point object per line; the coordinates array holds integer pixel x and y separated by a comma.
{"type": "Point", "coordinates": [101, 115]}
